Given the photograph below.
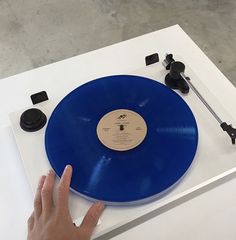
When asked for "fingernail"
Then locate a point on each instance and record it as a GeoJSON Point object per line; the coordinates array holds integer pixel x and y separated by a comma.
{"type": "Point", "coordinates": [100, 205]}
{"type": "Point", "coordinates": [68, 167]}
{"type": "Point", "coordinates": [41, 180]}
{"type": "Point", "coordinates": [42, 177]}
{"type": "Point", "coordinates": [50, 172]}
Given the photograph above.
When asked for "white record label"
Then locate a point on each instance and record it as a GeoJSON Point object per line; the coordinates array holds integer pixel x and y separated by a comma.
{"type": "Point", "coordinates": [121, 129]}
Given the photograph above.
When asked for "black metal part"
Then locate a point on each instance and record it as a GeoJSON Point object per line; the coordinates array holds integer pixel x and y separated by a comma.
{"type": "Point", "coordinates": [230, 130]}
{"type": "Point", "coordinates": [32, 120]}
{"type": "Point", "coordinates": [168, 60]}
{"type": "Point", "coordinates": [174, 80]}
{"type": "Point", "coordinates": [153, 58]}
{"type": "Point", "coordinates": [39, 97]}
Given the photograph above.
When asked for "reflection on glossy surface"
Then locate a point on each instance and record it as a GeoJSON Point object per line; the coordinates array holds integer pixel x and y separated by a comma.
{"type": "Point", "coordinates": [129, 176]}
{"type": "Point", "coordinates": [97, 173]}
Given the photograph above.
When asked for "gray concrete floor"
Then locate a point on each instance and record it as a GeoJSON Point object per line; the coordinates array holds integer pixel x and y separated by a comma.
{"type": "Point", "coordinates": [36, 33]}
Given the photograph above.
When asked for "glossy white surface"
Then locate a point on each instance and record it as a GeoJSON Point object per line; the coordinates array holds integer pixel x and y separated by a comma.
{"type": "Point", "coordinates": [208, 216]}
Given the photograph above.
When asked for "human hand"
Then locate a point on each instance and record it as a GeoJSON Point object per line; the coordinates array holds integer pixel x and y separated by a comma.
{"type": "Point", "coordinates": [52, 220]}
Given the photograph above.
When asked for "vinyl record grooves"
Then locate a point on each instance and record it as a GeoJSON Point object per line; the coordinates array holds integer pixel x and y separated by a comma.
{"type": "Point", "coordinates": [128, 138]}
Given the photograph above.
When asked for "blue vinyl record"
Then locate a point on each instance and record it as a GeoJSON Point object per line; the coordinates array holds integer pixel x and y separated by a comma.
{"type": "Point", "coordinates": [132, 163]}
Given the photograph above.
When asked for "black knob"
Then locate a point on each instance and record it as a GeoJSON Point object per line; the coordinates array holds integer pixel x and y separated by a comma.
{"type": "Point", "coordinates": [174, 80]}
{"type": "Point", "coordinates": [32, 120]}
{"type": "Point", "coordinates": [175, 69]}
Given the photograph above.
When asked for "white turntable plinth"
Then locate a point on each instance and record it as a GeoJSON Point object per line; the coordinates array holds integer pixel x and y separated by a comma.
{"type": "Point", "coordinates": [216, 157]}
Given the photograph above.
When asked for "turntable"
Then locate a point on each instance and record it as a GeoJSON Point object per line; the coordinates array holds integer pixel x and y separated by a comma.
{"type": "Point", "coordinates": [195, 139]}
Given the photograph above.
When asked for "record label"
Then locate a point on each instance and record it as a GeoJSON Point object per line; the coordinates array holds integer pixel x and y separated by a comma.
{"type": "Point", "coordinates": [121, 129]}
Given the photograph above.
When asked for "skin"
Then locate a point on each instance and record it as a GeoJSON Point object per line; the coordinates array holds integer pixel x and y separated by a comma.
{"type": "Point", "coordinates": [51, 220]}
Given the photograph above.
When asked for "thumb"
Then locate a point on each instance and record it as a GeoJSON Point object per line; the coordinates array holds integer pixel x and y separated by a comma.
{"type": "Point", "coordinates": [90, 220]}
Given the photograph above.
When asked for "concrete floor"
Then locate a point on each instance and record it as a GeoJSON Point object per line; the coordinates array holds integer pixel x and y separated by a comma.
{"type": "Point", "coordinates": [36, 33]}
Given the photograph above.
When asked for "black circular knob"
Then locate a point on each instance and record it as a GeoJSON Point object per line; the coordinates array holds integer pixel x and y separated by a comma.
{"type": "Point", "coordinates": [176, 68]}
{"type": "Point", "coordinates": [32, 120]}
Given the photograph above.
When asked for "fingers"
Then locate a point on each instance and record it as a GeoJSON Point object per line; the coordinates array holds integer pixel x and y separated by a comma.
{"type": "Point", "coordinates": [91, 218]}
{"type": "Point", "coordinates": [37, 199]}
{"type": "Point", "coordinates": [63, 189]}
{"type": "Point", "coordinates": [31, 222]}
{"type": "Point", "coordinates": [46, 193]}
